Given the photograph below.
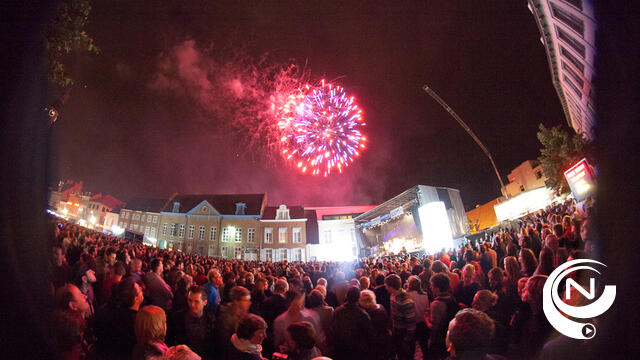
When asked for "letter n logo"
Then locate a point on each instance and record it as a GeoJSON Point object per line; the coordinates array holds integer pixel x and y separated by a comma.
{"type": "Point", "coordinates": [589, 294]}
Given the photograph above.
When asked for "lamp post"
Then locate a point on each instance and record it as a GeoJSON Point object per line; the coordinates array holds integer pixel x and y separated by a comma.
{"type": "Point", "coordinates": [437, 98]}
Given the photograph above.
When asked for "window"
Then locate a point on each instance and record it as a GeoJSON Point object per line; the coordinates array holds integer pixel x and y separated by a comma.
{"type": "Point", "coordinates": [153, 232]}
{"type": "Point", "coordinates": [238, 235]}
{"type": "Point", "coordinates": [144, 218]}
{"type": "Point", "coordinates": [136, 216]}
{"type": "Point", "coordinates": [181, 232]}
{"type": "Point", "coordinates": [120, 223]}
{"type": "Point", "coordinates": [164, 229]}
{"type": "Point", "coordinates": [237, 254]}
{"type": "Point", "coordinates": [170, 245]}
{"type": "Point", "coordinates": [173, 230]}
{"type": "Point", "coordinates": [191, 230]}
{"type": "Point", "coordinates": [126, 215]}
{"type": "Point", "coordinates": [282, 235]}
{"type": "Point", "coordinates": [212, 233]}
{"type": "Point", "coordinates": [223, 250]}
{"type": "Point", "coordinates": [538, 174]}
{"type": "Point", "coordinates": [521, 187]}
{"type": "Point", "coordinates": [568, 19]}
{"type": "Point", "coordinates": [327, 237]}
{"type": "Point", "coordinates": [155, 219]}
{"type": "Point", "coordinates": [126, 224]}
{"type": "Point", "coordinates": [573, 86]}
{"type": "Point", "coordinates": [268, 235]}
{"type": "Point", "coordinates": [135, 227]}
{"type": "Point", "coordinates": [297, 235]}
{"type": "Point", "coordinates": [212, 250]}
{"type": "Point", "coordinates": [146, 230]}
{"type": "Point", "coordinates": [573, 74]}
{"type": "Point", "coordinates": [268, 253]}
{"type": "Point", "coordinates": [283, 255]}
{"type": "Point", "coordinates": [572, 59]}
{"type": "Point", "coordinates": [251, 235]}
{"type": "Point", "coordinates": [225, 234]}
{"type": "Point", "coordinates": [297, 255]}
{"type": "Point", "coordinates": [571, 41]}
{"type": "Point", "coordinates": [201, 233]}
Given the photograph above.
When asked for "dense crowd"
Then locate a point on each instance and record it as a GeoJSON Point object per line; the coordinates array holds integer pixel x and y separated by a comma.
{"type": "Point", "coordinates": [114, 299]}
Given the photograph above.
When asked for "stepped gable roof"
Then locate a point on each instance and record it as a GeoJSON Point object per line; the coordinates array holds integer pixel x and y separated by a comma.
{"type": "Point", "coordinates": [225, 204]}
{"type": "Point", "coordinates": [145, 204]}
{"type": "Point", "coordinates": [107, 200]}
{"type": "Point", "coordinates": [295, 212]}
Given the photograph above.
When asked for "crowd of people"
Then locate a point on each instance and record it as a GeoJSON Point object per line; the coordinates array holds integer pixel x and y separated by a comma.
{"type": "Point", "coordinates": [114, 299]}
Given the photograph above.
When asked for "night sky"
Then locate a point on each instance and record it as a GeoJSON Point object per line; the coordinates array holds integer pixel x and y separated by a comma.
{"type": "Point", "coordinates": [123, 134]}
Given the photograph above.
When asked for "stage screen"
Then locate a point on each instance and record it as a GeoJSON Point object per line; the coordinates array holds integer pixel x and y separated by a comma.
{"type": "Point", "coordinates": [436, 230]}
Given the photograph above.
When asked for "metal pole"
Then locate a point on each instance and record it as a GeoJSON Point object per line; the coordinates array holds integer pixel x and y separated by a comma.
{"type": "Point", "coordinates": [437, 98]}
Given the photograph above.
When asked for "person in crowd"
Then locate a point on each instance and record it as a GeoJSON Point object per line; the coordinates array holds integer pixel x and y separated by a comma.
{"type": "Point", "coordinates": [296, 312]}
{"type": "Point", "coordinates": [135, 271]}
{"type": "Point", "coordinates": [329, 296]}
{"type": "Point", "coordinates": [364, 283]}
{"type": "Point", "coordinates": [546, 264]}
{"type": "Point", "coordinates": [84, 278]}
{"type": "Point", "coordinates": [180, 352]}
{"type": "Point", "coordinates": [115, 323]}
{"type": "Point", "coordinates": [528, 262]}
{"type": "Point", "coordinates": [193, 326]}
{"type": "Point", "coordinates": [403, 317]}
{"type": "Point", "coordinates": [421, 302]}
{"type": "Point", "coordinates": [68, 334]}
{"type": "Point", "coordinates": [246, 342]}
{"type": "Point", "coordinates": [530, 325]}
{"type": "Point", "coordinates": [339, 287]}
{"type": "Point", "coordinates": [181, 294]}
{"type": "Point", "coordinates": [104, 262]}
{"type": "Point", "coordinates": [157, 291]}
{"type": "Point", "coordinates": [352, 330]}
{"type": "Point", "coordinates": [60, 269]}
{"type": "Point", "coordinates": [469, 336]}
{"type": "Point", "coordinates": [69, 297]}
{"type": "Point", "coordinates": [258, 295]}
{"type": "Point", "coordinates": [303, 341]}
{"type": "Point", "coordinates": [211, 287]}
{"type": "Point", "coordinates": [112, 277]}
{"type": "Point", "coordinates": [380, 325]}
{"type": "Point", "coordinates": [271, 308]}
{"type": "Point", "coordinates": [316, 303]}
{"type": "Point", "coordinates": [440, 267]}
{"type": "Point", "coordinates": [442, 309]}
{"type": "Point", "coordinates": [467, 290]}
{"type": "Point", "coordinates": [382, 294]}
{"type": "Point", "coordinates": [150, 330]}
{"type": "Point", "coordinates": [229, 317]}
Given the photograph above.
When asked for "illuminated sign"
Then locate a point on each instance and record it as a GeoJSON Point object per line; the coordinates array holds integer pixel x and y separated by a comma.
{"type": "Point", "coordinates": [581, 180]}
{"type": "Point", "coordinates": [524, 203]}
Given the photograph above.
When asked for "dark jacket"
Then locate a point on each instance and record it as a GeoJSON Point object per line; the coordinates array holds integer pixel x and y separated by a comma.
{"type": "Point", "coordinates": [197, 333]}
{"type": "Point", "coordinates": [352, 332]}
{"type": "Point", "coordinates": [158, 292]}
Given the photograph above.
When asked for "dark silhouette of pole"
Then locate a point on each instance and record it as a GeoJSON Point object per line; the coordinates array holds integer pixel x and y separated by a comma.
{"type": "Point", "coordinates": [437, 98]}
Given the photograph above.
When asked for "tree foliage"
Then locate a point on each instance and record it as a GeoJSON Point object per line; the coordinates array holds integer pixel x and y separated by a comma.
{"type": "Point", "coordinates": [559, 151]}
{"type": "Point", "coordinates": [65, 34]}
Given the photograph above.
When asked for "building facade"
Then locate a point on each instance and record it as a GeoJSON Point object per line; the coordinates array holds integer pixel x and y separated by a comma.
{"type": "Point", "coordinates": [142, 216]}
{"type": "Point", "coordinates": [224, 226]}
{"type": "Point", "coordinates": [527, 176]}
{"type": "Point", "coordinates": [283, 234]}
{"type": "Point", "coordinates": [336, 233]}
{"type": "Point", "coordinates": [568, 31]}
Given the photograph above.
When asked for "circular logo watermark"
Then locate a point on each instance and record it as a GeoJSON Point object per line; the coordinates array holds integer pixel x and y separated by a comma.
{"type": "Point", "coordinates": [553, 304]}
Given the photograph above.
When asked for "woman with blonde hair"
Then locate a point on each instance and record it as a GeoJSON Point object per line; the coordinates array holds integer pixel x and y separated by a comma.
{"type": "Point", "coordinates": [379, 322]}
{"type": "Point", "coordinates": [150, 329]}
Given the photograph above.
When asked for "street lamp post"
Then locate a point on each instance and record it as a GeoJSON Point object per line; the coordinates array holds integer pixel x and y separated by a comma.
{"type": "Point", "coordinates": [437, 98]}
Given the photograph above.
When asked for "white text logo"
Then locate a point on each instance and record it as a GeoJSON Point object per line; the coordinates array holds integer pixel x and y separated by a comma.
{"type": "Point", "coordinates": [552, 304]}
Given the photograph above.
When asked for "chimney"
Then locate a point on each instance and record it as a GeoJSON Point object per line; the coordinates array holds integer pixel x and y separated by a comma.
{"type": "Point", "coordinates": [176, 207]}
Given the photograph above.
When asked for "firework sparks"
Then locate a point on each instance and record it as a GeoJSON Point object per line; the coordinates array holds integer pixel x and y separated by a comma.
{"type": "Point", "coordinates": [321, 129]}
